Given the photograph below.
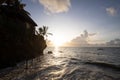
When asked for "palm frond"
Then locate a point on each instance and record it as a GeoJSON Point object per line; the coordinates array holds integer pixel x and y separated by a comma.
{"type": "Point", "coordinates": [36, 32]}
{"type": "Point", "coordinates": [44, 31]}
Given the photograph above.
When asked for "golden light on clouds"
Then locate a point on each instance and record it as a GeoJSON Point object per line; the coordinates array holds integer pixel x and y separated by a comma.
{"type": "Point", "coordinates": [55, 6]}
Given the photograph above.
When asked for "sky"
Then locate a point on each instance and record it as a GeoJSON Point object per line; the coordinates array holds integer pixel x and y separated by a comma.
{"type": "Point", "coordinates": [78, 22]}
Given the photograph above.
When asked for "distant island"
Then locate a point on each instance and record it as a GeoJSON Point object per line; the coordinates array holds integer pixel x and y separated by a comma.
{"type": "Point", "coordinates": [19, 40]}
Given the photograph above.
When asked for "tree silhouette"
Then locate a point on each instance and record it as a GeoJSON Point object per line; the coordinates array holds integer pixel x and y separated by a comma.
{"type": "Point", "coordinates": [43, 31]}
{"type": "Point", "coordinates": [16, 3]}
{"type": "Point", "coordinates": [9, 2]}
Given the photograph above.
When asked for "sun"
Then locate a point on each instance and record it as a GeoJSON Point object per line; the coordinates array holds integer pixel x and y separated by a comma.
{"type": "Point", "coordinates": [57, 40]}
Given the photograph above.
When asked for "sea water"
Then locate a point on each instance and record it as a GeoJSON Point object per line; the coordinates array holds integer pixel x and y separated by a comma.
{"type": "Point", "coordinates": [70, 63]}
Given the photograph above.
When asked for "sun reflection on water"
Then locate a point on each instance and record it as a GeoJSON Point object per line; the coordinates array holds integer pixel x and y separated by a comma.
{"type": "Point", "coordinates": [56, 51]}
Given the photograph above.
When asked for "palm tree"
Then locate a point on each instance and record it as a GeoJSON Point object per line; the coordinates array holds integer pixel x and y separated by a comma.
{"type": "Point", "coordinates": [43, 31]}
{"type": "Point", "coordinates": [8, 2]}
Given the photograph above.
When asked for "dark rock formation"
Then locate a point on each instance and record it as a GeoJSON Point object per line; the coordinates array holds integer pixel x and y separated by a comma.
{"type": "Point", "coordinates": [18, 41]}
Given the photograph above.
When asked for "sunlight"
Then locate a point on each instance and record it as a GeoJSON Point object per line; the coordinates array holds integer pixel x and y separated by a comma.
{"type": "Point", "coordinates": [57, 53]}
{"type": "Point", "coordinates": [57, 40]}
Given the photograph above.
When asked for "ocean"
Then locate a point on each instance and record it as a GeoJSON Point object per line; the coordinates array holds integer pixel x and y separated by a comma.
{"type": "Point", "coordinates": [69, 63]}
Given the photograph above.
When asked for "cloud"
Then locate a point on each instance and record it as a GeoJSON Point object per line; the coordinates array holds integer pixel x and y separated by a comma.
{"type": "Point", "coordinates": [55, 6]}
{"type": "Point", "coordinates": [82, 40]}
{"type": "Point", "coordinates": [115, 42]}
{"type": "Point", "coordinates": [92, 34]}
{"type": "Point", "coordinates": [111, 11]}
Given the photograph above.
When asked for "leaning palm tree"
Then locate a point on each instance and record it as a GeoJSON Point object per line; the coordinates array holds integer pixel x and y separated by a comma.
{"type": "Point", "coordinates": [43, 31]}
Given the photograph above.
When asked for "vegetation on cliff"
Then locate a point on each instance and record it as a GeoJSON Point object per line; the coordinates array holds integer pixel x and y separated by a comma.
{"type": "Point", "coordinates": [18, 41]}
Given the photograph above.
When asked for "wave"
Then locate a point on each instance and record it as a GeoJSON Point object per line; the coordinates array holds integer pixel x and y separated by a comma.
{"type": "Point", "coordinates": [99, 64]}
{"type": "Point", "coordinates": [105, 65]}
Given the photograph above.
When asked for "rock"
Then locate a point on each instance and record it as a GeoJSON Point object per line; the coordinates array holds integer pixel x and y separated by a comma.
{"type": "Point", "coordinates": [50, 52]}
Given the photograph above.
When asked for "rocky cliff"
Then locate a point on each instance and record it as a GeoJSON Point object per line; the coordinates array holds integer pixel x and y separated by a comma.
{"type": "Point", "coordinates": [18, 41]}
